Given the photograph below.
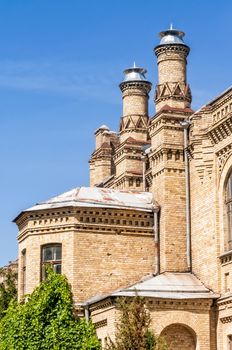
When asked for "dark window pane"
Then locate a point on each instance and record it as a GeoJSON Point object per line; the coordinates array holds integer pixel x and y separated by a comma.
{"type": "Point", "coordinates": [229, 213]}
{"type": "Point", "coordinates": [51, 255]}
{"type": "Point", "coordinates": [57, 252]}
{"type": "Point", "coordinates": [57, 268]}
{"type": "Point", "coordinates": [229, 189]}
{"type": "Point", "coordinates": [230, 342]}
{"type": "Point", "coordinates": [47, 253]}
{"type": "Point", "coordinates": [44, 274]}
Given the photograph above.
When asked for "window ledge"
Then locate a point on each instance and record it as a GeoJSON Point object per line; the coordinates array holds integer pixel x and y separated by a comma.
{"type": "Point", "coordinates": [226, 257]}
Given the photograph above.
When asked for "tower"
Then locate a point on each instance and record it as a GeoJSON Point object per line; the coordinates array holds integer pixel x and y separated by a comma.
{"type": "Point", "coordinates": [101, 161]}
{"type": "Point", "coordinates": [172, 88]}
{"type": "Point", "coordinates": [135, 94]}
{"type": "Point", "coordinates": [173, 98]}
{"type": "Point", "coordinates": [133, 134]}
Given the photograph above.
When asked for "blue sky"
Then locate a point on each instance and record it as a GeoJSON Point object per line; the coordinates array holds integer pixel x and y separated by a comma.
{"type": "Point", "coordinates": [60, 65]}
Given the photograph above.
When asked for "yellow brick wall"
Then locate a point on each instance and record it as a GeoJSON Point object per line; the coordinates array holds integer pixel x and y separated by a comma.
{"type": "Point", "coordinates": [168, 188]}
{"type": "Point", "coordinates": [33, 245]}
{"type": "Point", "coordinates": [193, 315]}
{"type": "Point", "coordinates": [97, 257]}
{"type": "Point", "coordinates": [100, 169]}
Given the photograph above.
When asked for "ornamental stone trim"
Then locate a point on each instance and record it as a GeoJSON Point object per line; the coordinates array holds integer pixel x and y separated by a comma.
{"type": "Point", "coordinates": [174, 48]}
{"type": "Point", "coordinates": [227, 319]}
{"type": "Point", "coordinates": [100, 324]}
{"type": "Point", "coordinates": [226, 257]}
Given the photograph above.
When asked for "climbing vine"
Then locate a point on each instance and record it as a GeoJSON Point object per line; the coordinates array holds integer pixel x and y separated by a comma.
{"type": "Point", "coordinates": [46, 321]}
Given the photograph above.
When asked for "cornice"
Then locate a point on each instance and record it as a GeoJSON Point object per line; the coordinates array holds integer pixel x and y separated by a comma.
{"type": "Point", "coordinates": [104, 304]}
{"type": "Point", "coordinates": [220, 130]}
{"type": "Point", "coordinates": [91, 220]}
{"type": "Point", "coordinates": [182, 304]}
{"type": "Point", "coordinates": [143, 87]}
{"type": "Point", "coordinates": [100, 324]}
{"type": "Point", "coordinates": [226, 257]}
{"type": "Point", "coordinates": [179, 48]}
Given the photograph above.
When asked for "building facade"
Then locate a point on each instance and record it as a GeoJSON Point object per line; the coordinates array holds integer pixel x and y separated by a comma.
{"type": "Point", "coordinates": [157, 216]}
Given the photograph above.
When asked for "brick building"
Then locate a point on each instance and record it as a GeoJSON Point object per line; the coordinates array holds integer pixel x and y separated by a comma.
{"type": "Point", "coordinates": [157, 217]}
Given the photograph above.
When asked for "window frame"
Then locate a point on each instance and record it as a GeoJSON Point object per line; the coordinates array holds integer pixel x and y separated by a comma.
{"type": "Point", "coordinates": [51, 262]}
{"type": "Point", "coordinates": [228, 203]}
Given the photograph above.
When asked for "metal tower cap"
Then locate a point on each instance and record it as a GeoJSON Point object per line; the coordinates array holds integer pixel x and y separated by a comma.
{"type": "Point", "coordinates": [172, 36]}
{"type": "Point", "coordinates": [135, 74]}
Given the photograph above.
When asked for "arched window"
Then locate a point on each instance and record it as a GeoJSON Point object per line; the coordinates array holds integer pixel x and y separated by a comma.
{"type": "Point", "coordinates": [229, 338]}
{"type": "Point", "coordinates": [229, 209]}
{"type": "Point", "coordinates": [52, 255]}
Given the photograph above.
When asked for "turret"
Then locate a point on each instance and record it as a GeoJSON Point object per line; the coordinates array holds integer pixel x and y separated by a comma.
{"type": "Point", "coordinates": [135, 94]}
{"type": "Point", "coordinates": [172, 88]}
{"type": "Point", "coordinates": [173, 98]}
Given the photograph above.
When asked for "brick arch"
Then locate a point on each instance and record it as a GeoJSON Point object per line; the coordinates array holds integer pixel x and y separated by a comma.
{"type": "Point", "coordinates": [179, 336]}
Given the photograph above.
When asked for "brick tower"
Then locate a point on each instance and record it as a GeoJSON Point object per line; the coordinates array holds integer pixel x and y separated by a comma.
{"type": "Point", "coordinates": [167, 166]}
{"type": "Point", "coordinates": [133, 132]}
{"type": "Point", "coordinates": [172, 88]}
{"type": "Point", "coordinates": [135, 89]}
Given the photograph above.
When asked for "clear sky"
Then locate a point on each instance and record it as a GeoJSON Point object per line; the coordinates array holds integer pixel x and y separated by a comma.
{"type": "Point", "coordinates": [60, 65]}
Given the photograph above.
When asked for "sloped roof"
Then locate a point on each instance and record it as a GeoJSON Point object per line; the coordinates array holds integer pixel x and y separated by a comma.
{"type": "Point", "coordinates": [168, 285]}
{"type": "Point", "coordinates": [99, 197]}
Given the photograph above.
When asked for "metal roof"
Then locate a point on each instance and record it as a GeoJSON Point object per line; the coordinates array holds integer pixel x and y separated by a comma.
{"type": "Point", "coordinates": [167, 285]}
{"type": "Point", "coordinates": [135, 74]}
{"type": "Point", "coordinates": [171, 36]}
{"type": "Point", "coordinates": [100, 197]}
{"type": "Point", "coordinates": [102, 127]}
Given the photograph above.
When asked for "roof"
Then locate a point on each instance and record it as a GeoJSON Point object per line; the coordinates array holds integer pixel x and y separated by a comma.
{"type": "Point", "coordinates": [102, 127]}
{"type": "Point", "coordinates": [172, 36]}
{"type": "Point", "coordinates": [99, 197]}
{"type": "Point", "coordinates": [135, 74]}
{"type": "Point", "coordinates": [176, 109]}
{"type": "Point", "coordinates": [167, 285]}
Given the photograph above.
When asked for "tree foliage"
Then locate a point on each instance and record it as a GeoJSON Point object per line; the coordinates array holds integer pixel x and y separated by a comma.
{"type": "Point", "coordinates": [8, 289]}
{"type": "Point", "coordinates": [132, 328]}
{"type": "Point", "coordinates": [46, 321]}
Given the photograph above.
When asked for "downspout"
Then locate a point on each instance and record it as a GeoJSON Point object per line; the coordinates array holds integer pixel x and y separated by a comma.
{"type": "Point", "coordinates": [185, 125]}
{"type": "Point", "coordinates": [86, 309]}
{"type": "Point", "coordinates": [156, 240]}
{"type": "Point", "coordinates": [143, 157]}
{"type": "Point", "coordinates": [145, 151]}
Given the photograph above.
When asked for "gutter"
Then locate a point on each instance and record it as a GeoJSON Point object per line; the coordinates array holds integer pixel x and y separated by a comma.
{"type": "Point", "coordinates": [185, 125]}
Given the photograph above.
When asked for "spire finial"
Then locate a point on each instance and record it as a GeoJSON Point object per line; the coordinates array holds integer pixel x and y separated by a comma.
{"type": "Point", "coordinates": [134, 66]}
{"type": "Point", "coordinates": [171, 26]}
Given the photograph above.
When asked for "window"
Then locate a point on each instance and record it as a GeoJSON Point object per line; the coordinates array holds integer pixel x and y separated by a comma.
{"type": "Point", "coordinates": [229, 342]}
{"type": "Point", "coordinates": [229, 210]}
{"type": "Point", "coordinates": [169, 154]}
{"type": "Point", "coordinates": [23, 271]}
{"type": "Point", "coordinates": [52, 255]}
{"type": "Point", "coordinates": [227, 279]}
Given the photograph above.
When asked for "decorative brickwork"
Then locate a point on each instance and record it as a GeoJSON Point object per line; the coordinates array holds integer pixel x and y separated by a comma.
{"type": "Point", "coordinates": [178, 336]}
{"type": "Point", "coordinates": [184, 159]}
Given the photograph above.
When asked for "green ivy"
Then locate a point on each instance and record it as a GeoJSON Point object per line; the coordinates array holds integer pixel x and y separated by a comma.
{"type": "Point", "coordinates": [46, 321]}
{"type": "Point", "coordinates": [8, 290]}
